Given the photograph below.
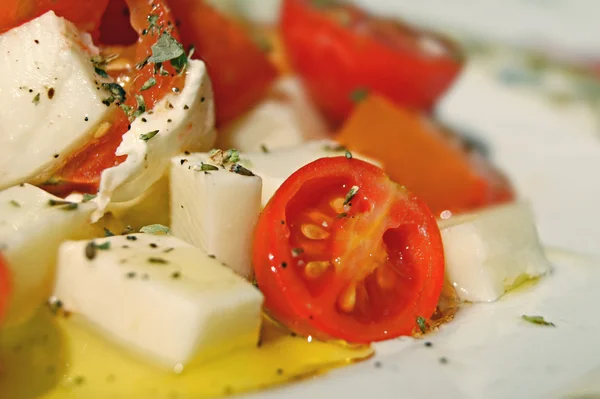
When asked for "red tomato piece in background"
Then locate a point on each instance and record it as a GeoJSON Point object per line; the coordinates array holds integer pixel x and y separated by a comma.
{"type": "Point", "coordinates": [86, 15]}
{"type": "Point", "coordinates": [339, 51]}
{"type": "Point", "coordinates": [5, 287]}
{"type": "Point", "coordinates": [83, 169]}
{"type": "Point", "coordinates": [240, 71]}
{"type": "Point", "coordinates": [342, 252]}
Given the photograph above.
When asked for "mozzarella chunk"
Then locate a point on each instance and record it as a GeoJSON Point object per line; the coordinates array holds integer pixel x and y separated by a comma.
{"type": "Point", "coordinates": [285, 118]}
{"type": "Point", "coordinates": [50, 97]}
{"type": "Point", "coordinates": [491, 251]}
{"type": "Point", "coordinates": [276, 166]}
{"type": "Point", "coordinates": [158, 296]}
{"type": "Point", "coordinates": [215, 210]}
{"type": "Point", "coordinates": [178, 122]}
{"type": "Point", "coordinates": [30, 232]}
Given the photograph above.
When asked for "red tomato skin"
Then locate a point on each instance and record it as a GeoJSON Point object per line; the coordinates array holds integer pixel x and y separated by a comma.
{"type": "Point", "coordinates": [240, 71]}
{"type": "Point", "coordinates": [5, 287]}
{"type": "Point", "coordinates": [287, 302]}
{"type": "Point", "coordinates": [335, 61]}
{"type": "Point", "coordinates": [16, 12]}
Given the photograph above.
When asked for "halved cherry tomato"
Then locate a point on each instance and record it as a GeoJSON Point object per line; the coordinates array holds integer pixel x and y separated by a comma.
{"type": "Point", "coordinates": [240, 71]}
{"type": "Point", "coordinates": [87, 18]}
{"type": "Point", "coordinates": [340, 51]}
{"type": "Point", "coordinates": [5, 287]}
{"type": "Point", "coordinates": [82, 170]}
{"type": "Point", "coordinates": [342, 252]}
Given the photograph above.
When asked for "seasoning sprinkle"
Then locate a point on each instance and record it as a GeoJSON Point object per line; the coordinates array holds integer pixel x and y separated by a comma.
{"type": "Point", "coordinates": [149, 135]}
{"type": "Point", "coordinates": [36, 99]}
{"type": "Point", "coordinates": [15, 203]}
{"type": "Point", "coordinates": [205, 167]}
{"type": "Point", "coordinates": [108, 233]}
{"type": "Point", "coordinates": [148, 84]}
{"type": "Point", "coordinates": [422, 324]}
{"type": "Point", "coordinates": [351, 194]}
{"type": "Point", "coordinates": [155, 229]}
{"type": "Point", "coordinates": [348, 154]}
{"type": "Point", "coordinates": [159, 261]}
{"type": "Point", "coordinates": [264, 148]}
{"type": "Point", "coordinates": [539, 320]}
{"type": "Point", "coordinates": [240, 170]}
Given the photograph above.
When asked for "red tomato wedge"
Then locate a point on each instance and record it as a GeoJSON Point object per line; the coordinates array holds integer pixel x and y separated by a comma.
{"type": "Point", "coordinates": [342, 252]}
{"type": "Point", "coordinates": [87, 18]}
{"type": "Point", "coordinates": [5, 287]}
{"type": "Point", "coordinates": [340, 52]}
{"type": "Point", "coordinates": [82, 170]}
{"type": "Point", "coordinates": [240, 71]}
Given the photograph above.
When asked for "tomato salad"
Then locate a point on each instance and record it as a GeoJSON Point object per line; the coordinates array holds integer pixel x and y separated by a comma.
{"type": "Point", "coordinates": [347, 247]}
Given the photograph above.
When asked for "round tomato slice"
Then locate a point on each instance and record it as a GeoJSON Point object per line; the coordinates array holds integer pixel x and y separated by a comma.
{"type": "Point", "coordinates": [5, 287]}
{"type": "Point", "coordinates": [341, 52]}
{"type": "Point", "coordinates": [342, 252]}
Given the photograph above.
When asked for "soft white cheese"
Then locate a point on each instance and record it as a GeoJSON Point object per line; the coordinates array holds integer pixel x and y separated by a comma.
{"type": "Point", "coordinates": [30, 232]}
{"type": "Point", "coordinates": [489, 252]}
{"type": "Point", "coordinates": [50, 97]}
{"type": "Point", "coordinates": [215, 210]}
{"type": "Point", "coordinates": [184, 121]}
{"type": "Point", "coordinates": [158, 296]}
{"type": "Point", "coordinates": [285, 118]}
{"type": "Point", "coordinates": [275, 167]}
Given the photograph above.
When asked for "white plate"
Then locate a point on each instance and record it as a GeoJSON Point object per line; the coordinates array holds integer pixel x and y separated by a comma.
{"type": "Point", "coordinates": [553, 156]}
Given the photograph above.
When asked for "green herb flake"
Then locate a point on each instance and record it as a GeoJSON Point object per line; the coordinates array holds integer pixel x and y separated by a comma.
{"type": "Point", "coordinates": [64, 205]}
{"type": "Point", "coordinates": [422, 324]}
{"type": "Point", "coordinates": [108, 233]}
{"type": "Point", "coordinates": [117, 93]}
{"type": "Point", "coordinates": [350, 195]}
{"type": "Point", "coordinates": [206, 167]}
{"type": "Point", "coordinates": [176, 275]}
{"type": "Point", "coordinates": [342, 215]}
{"type": "Point", "coordinates": [36, 99]}
{"type": "Point", "coordinates": [264, 148]}
{"type": "Point", "coordinates": [100, 72]}
{"type": "Point", "coordinates": [141, 105]}
{"type": "Point", "coordinates": [539, 320]}
{"type": "Point", "coordinates": [153, 23]}
{"type": "Point", "coordinates": [232, 156]}
{"type": "Point", "coordinates": [149, 135]}
{"type": "Point", "coordinates": [155, 229]}
{"type": "Point", "coordinates": [157, 261]}
{"type": "Point", "coordinates": [15, 203]}
{"type": "Point", "coordinates": [297, 252]}
{"type": "Point", "coordinates": [55, 305]}
{"type": "Point", "coordinates": [88, 197]}
{"type": "Point", "coordinates": [131, 275]}
{"type": "Point", "coordinates": [240, 170]}
{"type": "Point", "coordinates": [148, 84]}
{"type": "Point", "coordinates": [348, 154]}
{"type": "Point", "coordinates": [358, 95]}
{"type": "Point", "coordinates": [142, 63]}
{"type": "Point", "coordinates": [166, 48]}
{"type": "Point", "coordinates": [105, 246]}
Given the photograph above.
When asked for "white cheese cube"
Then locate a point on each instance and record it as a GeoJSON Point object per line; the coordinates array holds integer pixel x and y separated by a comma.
{"type": "Point", "coordinates": [489, 252]}
{"type": "Point", "coordinates": [215, 210]}
{"type": "Point", "coordinates": [30, 232]}
{"type": "Point", "coordinates": [50, 98]}
{"type": "Point", "coordinates": [285, 118]}
{"type": "Point", "coordinates": [276, 166]}
{"type": "Point", "coordinates": [182, 121]}
{"type": "Point", "coordinates": [159, 297]}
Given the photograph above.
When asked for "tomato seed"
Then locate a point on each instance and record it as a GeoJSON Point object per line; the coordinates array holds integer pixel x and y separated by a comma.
{"type": "Point", "coordinates": [315, 269]}
{"type": "Point", "coordinates": [314, 232]}
{"type": "Point", "coordinates": [347, 299]}
{"type": "Point", "coordinates": [337, 205]}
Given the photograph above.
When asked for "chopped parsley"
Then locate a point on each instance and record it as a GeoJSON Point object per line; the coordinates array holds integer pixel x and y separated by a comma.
{"type": "Point", "coordinates": [159, 261]}
{"type": "Point", "coordinates": [141, 105]}
{"type": "Point", "coordinates": [155, 229]}
{"type": "Point", "coordinates": [88, 197]}
{"type": "Point", "coordinates": [148, 84]}
{"type": "Point", "coordinates": [149, 135]}
{"type": "Point", "coordinates": [117, 93]}
{"type": "Point", "coordinates": [15, 203]}
{"type": "Point", "coordinates": [350, 195]}
{"type": "Point", "coordinates": [206, 167]}
{"type": "Point", "coordinates": [100, 72]}
{"type": "Point", "coordinates": [64, 205]}
{"type": "Point", "coordinates": [36, 99]}
{"type": "Point", "coordinates": [539, 320]}
{"type": "Point", "coordinates": [153, 24]}
{"type": "Point", "coordinates": [108, 233]}
{"type": "Point", "coordinates": [348, 154]}
{"type": "Point", "coordinates": [422, 324]}
{"type": "Point", "coordinates": [240, 170]}
{"type": "Point", "coordinates": [166, 48]}
{"type": "Point", "coordinates": [264, 148]}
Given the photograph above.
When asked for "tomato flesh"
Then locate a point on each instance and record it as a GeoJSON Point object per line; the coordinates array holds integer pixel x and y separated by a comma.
{"type": "Point", "coordinates": [360, 268]}
{"type": "Point", "coordinates": [5, 287]}
{"type": "Point", "coordinates": [83, 169]}
{"type": "Point", "coordinates": [240, 71]}
{"type": "Point", "coordinates": [339, 51]}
